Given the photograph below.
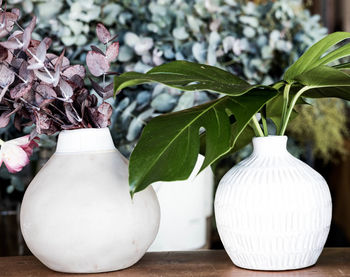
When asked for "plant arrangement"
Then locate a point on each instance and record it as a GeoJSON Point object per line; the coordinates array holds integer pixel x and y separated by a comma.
{"type": "Point", "coordinates": [252, 39]}
{"type": "Point", "coordinates": [224, 125]}
{"type": "Point", "coordinates": [43, 89]}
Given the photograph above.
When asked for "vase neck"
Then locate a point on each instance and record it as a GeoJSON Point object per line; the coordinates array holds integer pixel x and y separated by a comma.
{"type": "Point", "coordinates": [85, 140]}
{"type": "Point", "coordinates": [270, 145]}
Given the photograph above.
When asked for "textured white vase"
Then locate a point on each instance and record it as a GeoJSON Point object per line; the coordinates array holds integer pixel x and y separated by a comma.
{"type": "Point", "coordinates": [273, 211]}
{"type": "Point", "coordinates": [185, 207]}
{"type": "Point", "coordinates": [77, 215]}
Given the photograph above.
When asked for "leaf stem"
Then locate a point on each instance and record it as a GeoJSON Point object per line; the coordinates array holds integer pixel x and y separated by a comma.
{"type": "Point", "coordinates": [257, 127]}
{"type": "Point", "coordinates": [104, 80]}
{"type": "Point", "coordinates": [291, 107]}
{"type": "Point", "coordinates": [263, 119]}
{"type": "Point", "coordinates": [285, 101]}
{"type": "Point", "coordinates": [39, 61]}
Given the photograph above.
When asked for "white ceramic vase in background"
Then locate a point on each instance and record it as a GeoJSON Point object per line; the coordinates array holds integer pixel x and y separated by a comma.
{"type": "Point", "coordinates": [185, 208]}
{"type": "Point", "coordinates": [273, 211]}
{"type": "Point", "coordinates": [77, 215]}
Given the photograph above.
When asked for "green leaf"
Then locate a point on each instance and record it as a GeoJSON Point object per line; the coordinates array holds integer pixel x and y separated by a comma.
{"type": "Point", "coordinates": [324, 82]}
{"type": "Point", "coordinates": [169, 144]}
{"type": "Point", "coordinates": [243, 139]}
{"type": "Point", "coordinates": [337, 54]}
{"type": "Point", "coordinates": [313, 56]}
{"type": "Point", "coordinates": [187, 76]}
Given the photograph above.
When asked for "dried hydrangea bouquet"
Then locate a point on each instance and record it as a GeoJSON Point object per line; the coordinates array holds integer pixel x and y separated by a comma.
{"type": "Point", "coordinates": [77, 214]}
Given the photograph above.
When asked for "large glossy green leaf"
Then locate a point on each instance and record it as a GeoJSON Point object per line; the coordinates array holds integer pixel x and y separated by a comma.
{"type": "Point", "coordinates": [324, 82]}
{"type": "Point", "coordinates": [169, 144]}
{"type": "Point", "coordinates": [187, 76]}
{"type": "Point", "coordinates": [243, 139]}
{"type": "Point", "coordinates": [313, 57]}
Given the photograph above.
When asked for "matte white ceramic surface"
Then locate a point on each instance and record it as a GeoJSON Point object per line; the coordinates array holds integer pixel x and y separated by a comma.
{"type": "Point", "coordinates": [273, 211]}
{"type": "Point", "coordinates": [185, 207]}
{"type": "Point", "coordinates": [77, 214]}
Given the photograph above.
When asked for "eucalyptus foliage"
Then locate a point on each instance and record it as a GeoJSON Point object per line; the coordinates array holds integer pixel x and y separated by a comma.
{"type": "Point", "coordinates": [172, 155]}
{"type": "Point", "coordinates": [250, 40]}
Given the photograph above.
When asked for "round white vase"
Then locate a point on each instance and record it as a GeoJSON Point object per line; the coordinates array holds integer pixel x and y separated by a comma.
{"type": "Point", "coordinates": [273, 211]}
{"type": "Point", "coordinates": [77, 215]}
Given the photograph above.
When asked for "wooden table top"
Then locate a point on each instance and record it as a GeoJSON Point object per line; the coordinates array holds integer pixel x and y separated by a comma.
{"type": "Point", "coordinates": [207, 263]}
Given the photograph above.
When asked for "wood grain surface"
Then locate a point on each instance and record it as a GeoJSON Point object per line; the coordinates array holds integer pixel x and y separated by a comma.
{"type": "Point", "coordinates": [333, 262]}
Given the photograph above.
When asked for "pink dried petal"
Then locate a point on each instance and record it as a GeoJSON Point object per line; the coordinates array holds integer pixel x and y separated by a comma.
{"type": "Point", "coordinates": [48, 42]}
{"type": "Point", "coordinates": [43, 76]}
{"type": "Point", "coordinates": [53, 59]}
{"type": "Point", "coordinates": [27, 34]}
{"type": "Point", "coordinates": [58, 67]}
{"type": "Point", "coordinates": [26, 143]}
{"type": "Point", "coordinates": [35, 66]}
{"type": "Point", "coordinates": [74, 70]}
{"type": "Point", "coordinates": [97, 63]}
{"type": "Point", "coordinates": [91, 100]}
{"type": "Point", "coordinates": [44, 95]}
{"type": "Point", "coordinates": [81, 95]}
{"type": "Point", "coordinates": [97, 87]}
{"type": "Point", "coordinates": [7, 21]}
{"type": "Point", "coordinates": [26, 74]}
{"type": "Point", "coordinates": [14, 157]}
{"type": "Point", "coordinates": [76, 82]}
{"type": "Point", "coordinates": [41, 51]}
{"type": "Point", "coordinates": [112, 52]}
{"type": "Point", "coordinates": [21, 141]}
{"type": "Point", "coordinates": [7, 76]}
{"type": "Point", "coordinates": [17, 122]}
{"type": "Point", "coordinates": [56, 77]}
{"type": "Point", "coordinates": [102, 33]}
{"type": "Point", "coordinates": [101, 116]}
{"type": "Point", "coordinates": [20, 90]}
{"type": "Point", "coordinates": [18, 34]}
{"type": "Point", "coordinates": [5, 119]}
{"type": "Point", "coordinates": [42, 122]}
{"type": "Point", "coordinates": [65, 89]}
{"type": "Point", "coordinates": [34, 45]}
{"type": "Point", "coordinates": [109, 91]}
{"type": "Point", "coordinates": [72, 114]}
{"type": "Point", "coordinates": [105, 109]}
{"type": "Point", "coordinates": [12, 44]}
{"type": "Point", "coordinates": [3, 53]}
{"type": "Point", "coordinates": [59, 61]}
{"type": "Point", "coordinates": [16, 11]}
{"type": "Point", "coordinates": [3, 92]}
{"type": "Point", "coordinates": [9, 57]}
{"type": "Point", "coordinates": [17, 62]}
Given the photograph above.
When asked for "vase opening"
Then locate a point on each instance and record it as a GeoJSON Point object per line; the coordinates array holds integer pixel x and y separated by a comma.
{"type": "Point", "coordinates": [271, 145]}
{"type": "Point", "coordinates": [85, 140]}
